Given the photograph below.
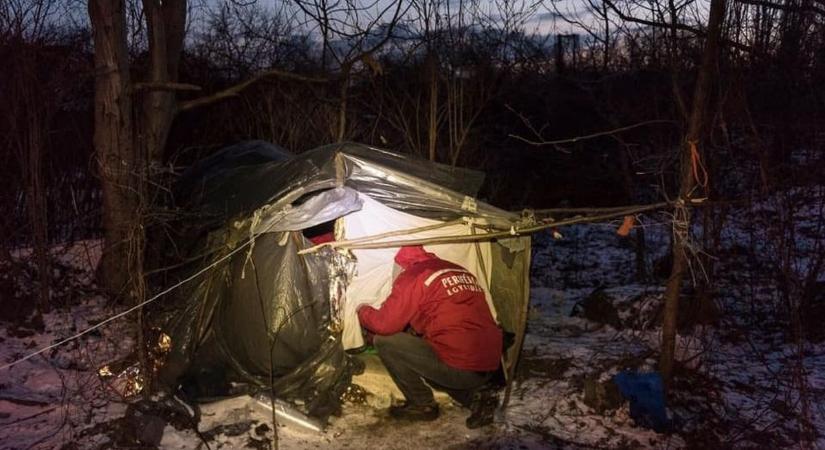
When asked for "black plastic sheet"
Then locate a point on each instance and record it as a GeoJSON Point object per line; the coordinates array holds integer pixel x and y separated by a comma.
{"type": "Point", "coordinates": [262, 314]}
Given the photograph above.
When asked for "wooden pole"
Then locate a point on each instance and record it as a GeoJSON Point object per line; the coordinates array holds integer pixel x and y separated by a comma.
{"type": "Point", "coordinates": [513, 232]}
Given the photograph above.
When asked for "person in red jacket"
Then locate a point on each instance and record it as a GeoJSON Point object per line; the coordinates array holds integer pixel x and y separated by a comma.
{"type": "Point", "coordinates": [453, 341]}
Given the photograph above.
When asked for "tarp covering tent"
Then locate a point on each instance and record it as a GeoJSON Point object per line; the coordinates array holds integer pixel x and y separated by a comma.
{"type": "Point", "coordinates": [270, 310]}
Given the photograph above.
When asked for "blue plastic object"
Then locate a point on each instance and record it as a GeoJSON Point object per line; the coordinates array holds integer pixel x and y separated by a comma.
{"type": "Point", "coordinates": [646, 394]}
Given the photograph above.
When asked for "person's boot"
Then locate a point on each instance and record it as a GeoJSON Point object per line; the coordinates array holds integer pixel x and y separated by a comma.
{"type": "Point", "coordinates": [406, 411]}
{"type": "Point", "coordinates": [482, 408]}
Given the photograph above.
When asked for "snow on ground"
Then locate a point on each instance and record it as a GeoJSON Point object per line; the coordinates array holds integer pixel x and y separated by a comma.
{"type": "Point", "coordinates": [48, 399]}
{"type": "Point", "coordinates": [746, 384]}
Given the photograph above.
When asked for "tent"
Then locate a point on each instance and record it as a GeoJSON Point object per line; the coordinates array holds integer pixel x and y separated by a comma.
{"type": "Point", "coordinates": [271, 310]}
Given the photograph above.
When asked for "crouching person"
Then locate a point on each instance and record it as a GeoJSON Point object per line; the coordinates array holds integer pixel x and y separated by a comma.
{"type": "Point", "coordinates": [453, 342]}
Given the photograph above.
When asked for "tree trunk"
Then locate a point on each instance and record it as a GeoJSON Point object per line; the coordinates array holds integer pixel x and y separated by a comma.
{"type": "Point", "coordinates": [690, 150]}
{"type": "Point", "coordinates": [125, 144]}
{"type": "Point", "coordinates": [432, 114]}
{"type": "Point", "coordinates": [38, 213]}
{"type": "Point", "coordinates": [165, 25]}
{"type": "Point", "coordinates": [30, 110]}
{"type": "Point", "coordinates": [117, 159]}
{"type": "Point", "coordinates": [343, 95]}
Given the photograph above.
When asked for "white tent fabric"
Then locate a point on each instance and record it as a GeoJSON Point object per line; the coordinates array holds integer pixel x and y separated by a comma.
{"type": "Point", "coordinates": [374, 269]}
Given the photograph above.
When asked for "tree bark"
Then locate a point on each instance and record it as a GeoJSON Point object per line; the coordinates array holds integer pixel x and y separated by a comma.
{"type": "Point", "coordinates": [118, 161]}
{"type": "Point", "coordinates": [690, 150]}
{"type": "Point", "coordinates": [165, 24]}
{"type": "Point", "coordinates": [127, 138]}
{"type": "Point", "coordinates": [30, 111]}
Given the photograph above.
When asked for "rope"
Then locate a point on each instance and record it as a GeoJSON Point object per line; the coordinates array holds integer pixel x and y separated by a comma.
{"type": "Point", "coordinates": [681, 221]}
{"type": "Point", "coordinates": [375, 237]}
{"type": "Point", "coordinates": [514, 230]}
{"type": "Point", "coordinates": [132, 309]}
{"type": "Point", "coordinates": [256, 220]}
{"type": "Point", "coordinates": [365, 245]}
{"type": "Point", "coordinates": [696, 164]}
{"type": "Point", "coordinates": [552, 211]}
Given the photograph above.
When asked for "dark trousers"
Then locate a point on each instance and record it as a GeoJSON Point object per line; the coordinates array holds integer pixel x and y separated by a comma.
{"type": "Point", "coordinates": [410, 360]}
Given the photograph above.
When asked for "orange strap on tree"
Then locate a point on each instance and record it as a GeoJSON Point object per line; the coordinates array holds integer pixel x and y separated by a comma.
{"type": "Point", "coordinates": [696, 164]}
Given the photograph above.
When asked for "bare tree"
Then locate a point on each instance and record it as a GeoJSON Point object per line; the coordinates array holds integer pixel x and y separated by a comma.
{"type": "Point", "coordinates": [351, 34]}
{"type": "Point", "coordinates": [458, 54]}
{"type": "Point", "coordinates": [690, 176]}
{"type": "Point", "coordinates": [30, 41]}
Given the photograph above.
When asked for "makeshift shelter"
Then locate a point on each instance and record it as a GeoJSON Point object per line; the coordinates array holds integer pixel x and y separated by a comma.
{"type": "Point", "coordinates": [270, 309]}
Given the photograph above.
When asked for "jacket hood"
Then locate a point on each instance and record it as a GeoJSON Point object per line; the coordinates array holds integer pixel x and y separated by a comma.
{"type": "Point", "coordinates": [410, 255]}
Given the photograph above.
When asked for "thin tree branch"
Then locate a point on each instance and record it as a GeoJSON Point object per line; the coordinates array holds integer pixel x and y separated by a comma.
{"type": "Point", "coordinates": [240, 87]}
{"type": "Point", "coordinates": [31, 416]}
{"type": "Point", "coordinates": [677, 26]}
{"type": "Point", "coordinates": [801, 8]}
{"type": "Point", "coordinates": [589, 136]}
{"type": "Point", "coordinates": [153, 86]}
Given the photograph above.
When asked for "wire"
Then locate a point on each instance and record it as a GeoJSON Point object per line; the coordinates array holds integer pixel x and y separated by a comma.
{"type": "Point", "coordinates": [134, 308]}
{"type": "Point", "coordinates": [251, 240]}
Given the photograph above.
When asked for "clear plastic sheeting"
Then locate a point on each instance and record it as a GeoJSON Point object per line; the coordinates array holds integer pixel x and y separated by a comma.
{"type": "Point", "coordinates": [322, 207]}
{"type": "Point", "coordinates": [270, 318]}
{"type": "Point", "coordinates": [420, 187]}
{"type": "Point", "coordinates": [285, 412]}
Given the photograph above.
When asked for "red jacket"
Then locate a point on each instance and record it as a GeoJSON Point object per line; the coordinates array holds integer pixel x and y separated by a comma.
{"type": "Point", "coordinates": [444, 303]}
